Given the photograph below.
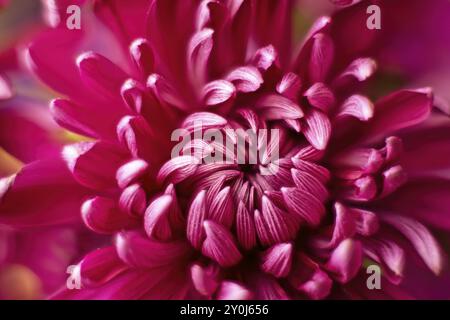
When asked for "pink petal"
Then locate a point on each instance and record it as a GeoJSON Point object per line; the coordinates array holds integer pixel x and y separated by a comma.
{"type": "Point", "coordinates": [245, 227]}
{"type": "Point", "coordinates": [138, 251]}
{"type": "Point", "coordinates": [421, 238]}
{"type": "Point", "coordinates": [102, 215]}
{"type": "Point", "coordinates": [278, 107]}
{"type": "Point", "coordinates": [322, 54]}
{"type": "Point", "coordinates": [156, 220]}
{"type": "Point", "coordinates": [86, 161]}
{"type": "Point", "coordinates": [277, 260]}
{"type": "Point", "coordinates": [205, 279]}
{"type": "Point", "coordinates": [360, 69]}
{"type": "Point", "coordinates": [245, 79]}
{"type": "Point", "coordinates": [196, 217]}
{"type": "Point", "coordinates": [320, 96]}
{"type": "Point", "coordinates": [289, 86]}
{"type": "Point", "coordinates": [5, 89]}
{"type": "Point", "coordinates": [357, 106]}
{"type": "Point", "coordinates": [346, 260]}
{"type": "Point", "coordinates": [219, 245]}
{"type": "Point", "coordinates": [133, 200]}
{"type": "Point", "coordinates": [130, 172]}
{"type": "Point", "coordinates": [230, 290]}
{"type": "Point", "coordinates": [274, 225]}
{"type": "Point", "coordinates": [142, 55]}
{"type": "Point", "coordinates": [134, 133]}
{"type": "Point", "coordinates": [218, 92]}
{"type": "Point", "coordinates": [304, 205]}
{"type": "Point", "coordinates": [318, 129]}
{"type": "Point", "coordinates": [221, 208]}
{"type": "Point", "coordinates": [399, 110]}
{"type": "Point", "coordinates": [178, 169]}
{"type": "Point", "coordinates": [100, 266]}
{"type": "Point", "coordinates": [101, 74]}
{"type": "Point", "coordinates": [28, 198]}
{"type": "Point", "coordinates": [83, 119]}
{"type": "Point", "coordinates": [198, 52]}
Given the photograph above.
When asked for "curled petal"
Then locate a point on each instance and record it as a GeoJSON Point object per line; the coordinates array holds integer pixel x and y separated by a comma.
{"type": "Point", "coordinates": [131, 171]}
{"type": "Point", "coordinates": [218, 92]}
{"type": "Point", "coordinates": [320, 96]}
{"type": "Point", "coordinates": [421, 238]}
{"type": "Point", "coordinates": [142, 55]}
{"type": "Point", "coordinates": [245, 227]}
{"type": "Point", "coordinates": [139, 251]}
{"type": "Point", "coordinates": [245, 79]}
{"type": "Point", "coordinates": [102, 215]}
{"type": "Point", "coordinates": [198, 52]}
{"type": "Point", "coordinates": [346, 260]}
{"type": "Point", "coordinates": [317, 129]}
{"type": "Point", "coordinates": [101, 74]}
{"type": "Point", "coordinates": [196, 217]}
{"type": "Point", "coordinates": [322, 54]}
{"type": "Point", "coordinates": [289, 86]}
{"type": "Point", "coordinates": [357, 106]}
{"type": "Point", "coordinates": [86, 161]}
{"type": "Point", "coordinates": [5, 89]}
{"type": "Point", "coordinates": [133, 200]}
{"type": "Point", "coordinates": [100, 266]}
{"type": "Point", "coordinates": [178, 169]}
{"type": "Point", "coordinates": [156, 219]}
{"type": "Point", "coordinates": [278, 107]}
{"type": "Point", "coordinates": [219, 245]}
{"type": "Point", "coordinates": [360, 69]}
{"type": "Point", "coordinates": [277, 260]}
{"type": "Point", "coordinates": [230, 290]}
{"type": "Point", "coordinates": [205, 279]}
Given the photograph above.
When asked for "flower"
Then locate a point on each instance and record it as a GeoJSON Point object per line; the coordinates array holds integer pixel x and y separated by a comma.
{"type": "Point", "coordinates": [347, 189]}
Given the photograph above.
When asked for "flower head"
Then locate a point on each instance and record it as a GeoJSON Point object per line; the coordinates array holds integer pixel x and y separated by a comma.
{"type": "Point", "coordinates": [296, 210]}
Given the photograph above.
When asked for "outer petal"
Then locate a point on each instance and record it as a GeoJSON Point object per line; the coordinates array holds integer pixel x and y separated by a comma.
{"type": "Point", "coordinates": [42, 193]}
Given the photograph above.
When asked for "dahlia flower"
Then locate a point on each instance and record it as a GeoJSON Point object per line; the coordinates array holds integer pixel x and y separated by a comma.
{"type": "Point", "coordinates": [357, 182]}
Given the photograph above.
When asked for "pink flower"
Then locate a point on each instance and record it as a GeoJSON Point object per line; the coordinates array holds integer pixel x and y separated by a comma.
{"type": "Point", "coordinates": [348, 189]}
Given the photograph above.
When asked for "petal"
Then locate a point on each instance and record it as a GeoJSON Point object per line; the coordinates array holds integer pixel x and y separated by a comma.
{"type": "Point", "coordinates": [205, 279]}
{"type": "Point", "coordinates": [322, 54]}
{"type": "Point", "coordinates": [399, 110]}
{"type": "Point", "coordinates": [346, 260]}
{"type": "Point", "coordinates": [100, 266]}
{"type": "Point", "coordinates": [131, 171]}
{"type": "Point", "coordinates": [138, 251]}
{"type": "Point", "coordinates": [318, 129]}
{"type": "Point", "coordinates": [101, 74]}
{"type": "Point", "coordinates": [221, 208]}
{"type": "Point", "coordinates": [304, 205]}
{"type": "Point", "coordinates": [5, 89]}
{"type": "Point", "coordinates": [245, 79]}
{"type": "Point", "coordinates": [142, 55]}
{"type": "Point", "coordinates": [320, 96]}
{"type": "Point", "coordinates": [198, 52]}
{"type": "Point", "coordinates": [219, 245]}
{"type": "Point", "coordinates": [86, 161]}
{"type": "Point", "coordinates": [28, 198]}
{"type": "Point", "coordinates": [102, 215]}
{"type": "Point", "coordinates": [277, 260]}
{"type": "Point", "coordinates": [421, 238]}
{"type": "Point", "coordinates": [245, 227]}
{"type": "Point", "coordinates": [133, 200]}
{"type": "Point", "coordinates": [218, 92]}
{"type": "Point", "coordinates": [278, 107]}
{"type": "Point", "coordinates": [196, 217]}
{"type": "Point", "coordinates": [289, 86]}
{"type": "Point", "coordinates": [357, 106]}
{"type": "Point", "coordinates": [230, 290]}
